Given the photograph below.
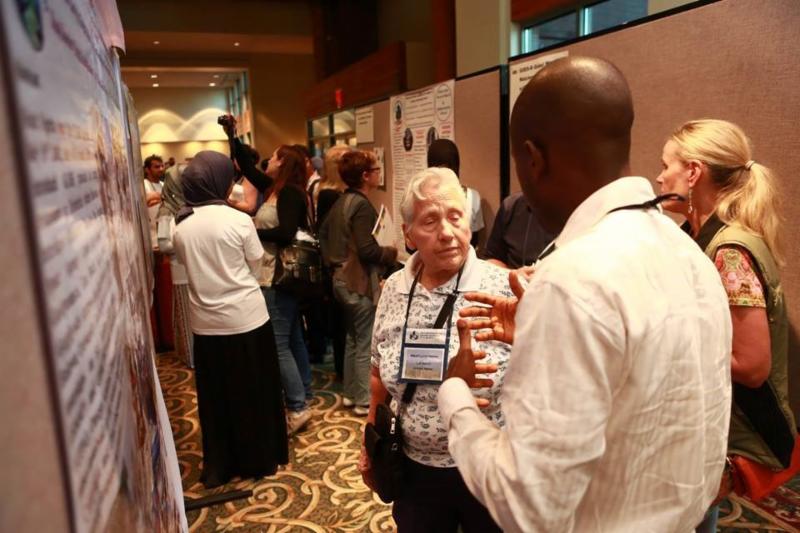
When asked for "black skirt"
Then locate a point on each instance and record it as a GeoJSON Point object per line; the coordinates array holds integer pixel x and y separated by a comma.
{"type": "Point", "coordinates": [240, 403]}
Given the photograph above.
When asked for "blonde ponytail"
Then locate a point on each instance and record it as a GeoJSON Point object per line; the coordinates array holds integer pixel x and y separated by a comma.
{"type": "Point", "coordinates": [748, 193]}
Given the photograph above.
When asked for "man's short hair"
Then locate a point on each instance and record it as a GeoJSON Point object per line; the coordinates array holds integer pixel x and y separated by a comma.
{"type": "Point", "coordinates": [352, 166]}
{"type": "Point", "coordinates": [149, 160]}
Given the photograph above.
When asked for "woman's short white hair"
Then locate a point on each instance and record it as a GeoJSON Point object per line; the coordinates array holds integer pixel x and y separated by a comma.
{"type": "Point", "coordinates": [437, 177]}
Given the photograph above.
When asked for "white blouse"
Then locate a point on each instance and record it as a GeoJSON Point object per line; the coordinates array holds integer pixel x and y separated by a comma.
{"type": "Point", "coordinates": [424, 433]}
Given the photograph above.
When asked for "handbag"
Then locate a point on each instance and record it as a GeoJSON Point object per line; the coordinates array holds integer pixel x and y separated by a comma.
{"type": "Point", "coordinates": [383, 439]}
{"type": "Point", "coordinates": [298, 267]}
{"type": "Point", "coordinates": [756, 481]}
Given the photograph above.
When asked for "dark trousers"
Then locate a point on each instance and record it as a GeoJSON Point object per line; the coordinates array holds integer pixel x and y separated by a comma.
{"type": "Point", "coordinates": [436, 500]}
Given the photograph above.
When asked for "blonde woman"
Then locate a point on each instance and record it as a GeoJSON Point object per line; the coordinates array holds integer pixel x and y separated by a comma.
{"type": "Point", "coordinates": [331, 186]}
{"type": "Point", "coordinates": [732, 212]}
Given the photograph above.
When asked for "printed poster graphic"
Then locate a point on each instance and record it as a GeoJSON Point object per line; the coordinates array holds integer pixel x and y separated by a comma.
{"type": "Point", "coordinates": [87, 209]}
{"type": "Point", "coordinates": [417, 118]}
{"type": "Point", "coordinates": [521, 72]}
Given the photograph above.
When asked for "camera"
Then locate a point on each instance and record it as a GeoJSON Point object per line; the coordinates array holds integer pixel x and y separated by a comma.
{"type": "Point", "coordinates": [226, 121]}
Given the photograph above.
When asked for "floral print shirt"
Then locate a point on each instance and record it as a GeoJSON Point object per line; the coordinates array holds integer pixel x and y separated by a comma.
{"type": "Point", "coordinates": [739, 277]}
{"type": "Point", "coordinates": [424, 434]}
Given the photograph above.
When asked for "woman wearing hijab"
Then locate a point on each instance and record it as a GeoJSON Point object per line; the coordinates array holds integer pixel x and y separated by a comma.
{"type": "Point", "coordinates": [239, 393]}
{"type": "Point", "coordinates": [171, 202]}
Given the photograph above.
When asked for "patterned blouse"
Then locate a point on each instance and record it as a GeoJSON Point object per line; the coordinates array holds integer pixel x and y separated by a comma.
{"type": "Point", "coordinates": [424, 434]}
{"type": "Point", "coordinates": [739, 277]}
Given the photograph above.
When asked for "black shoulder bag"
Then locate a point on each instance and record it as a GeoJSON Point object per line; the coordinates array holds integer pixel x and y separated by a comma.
{"type": "Point", "coordinates": [383, 439]}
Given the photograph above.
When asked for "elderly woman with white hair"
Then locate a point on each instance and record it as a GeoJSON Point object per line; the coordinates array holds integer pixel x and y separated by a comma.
{"type": "Point", "coordinates": [413, 338]}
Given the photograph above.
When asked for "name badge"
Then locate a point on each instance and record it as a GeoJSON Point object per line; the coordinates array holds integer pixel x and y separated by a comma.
{"type": "Point", "coordinates": [423, 357]}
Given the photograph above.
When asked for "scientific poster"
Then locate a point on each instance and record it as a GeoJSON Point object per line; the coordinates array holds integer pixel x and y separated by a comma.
{"type": "Point", "coordinates": [521, 72]}
{"type": "Point", "coordinates": [417, 118]}
{"type": "Point", "coordinates": [86, 204]}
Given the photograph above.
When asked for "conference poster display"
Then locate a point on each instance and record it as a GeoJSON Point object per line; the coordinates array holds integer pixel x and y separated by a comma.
{"type": "Point", "coordinates": [417, 118]}
{"type": "Point", "coordinates": [521, 72]}
{"type": "Point", "coordinates": [86, 202]}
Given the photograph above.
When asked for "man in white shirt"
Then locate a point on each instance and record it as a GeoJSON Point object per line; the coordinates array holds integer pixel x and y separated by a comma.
{"type": "Point", "coordinates": [618, 392]}
{"type": "Point", "coordinates": [153, 173]}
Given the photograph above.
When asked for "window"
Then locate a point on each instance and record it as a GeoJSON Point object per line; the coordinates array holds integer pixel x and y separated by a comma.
{"type": "Point", "coordinates": [586, 18]}
{"type": "Point", "coordinates": [552, 32]}
{"type": "Point", "coordinates": [604, 15]}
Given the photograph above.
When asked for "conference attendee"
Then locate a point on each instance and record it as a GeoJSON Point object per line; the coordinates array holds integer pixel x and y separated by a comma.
{"type": "Point", "coordinates": [732, 213]}
{"type": "Point", "coordinates": [516, 239]}
{"type": "Point", "coordinates": [239, 395]}
{"type": "Point", "coordinates": [153, 173]}
{"type": "Point", "coordinates": [358, 262]}
{"type": "Point", "coordinates": [325, 194]}
{"type": "Point", "coordinates": [444, 153]}
{"type": "Point", "coordinates": [435, 215]}
{"type": "Point", "coordinates": [172, 202]}
{"type": "Point", "coordinates": [617, 395]}
{"type": "Point", "coordinates": [283, 212]}
{"type": "Point", "coordinates": [331, 186]}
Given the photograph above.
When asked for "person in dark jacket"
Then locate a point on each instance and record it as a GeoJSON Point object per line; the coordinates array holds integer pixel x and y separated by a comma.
{"type": "Point", "coordinates": [358, 260]}
{"type": "Point", "coordinates": [283, 212]}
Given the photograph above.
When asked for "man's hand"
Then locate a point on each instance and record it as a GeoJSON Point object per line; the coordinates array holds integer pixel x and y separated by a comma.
{"type": "Point", "coordinates": [463, 364]}
{"type": "Point", "coordinates": [498, 320]}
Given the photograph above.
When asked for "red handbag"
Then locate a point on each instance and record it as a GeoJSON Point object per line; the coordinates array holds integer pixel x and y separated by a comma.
{"type": "Point", "coordinates": [756, 481]}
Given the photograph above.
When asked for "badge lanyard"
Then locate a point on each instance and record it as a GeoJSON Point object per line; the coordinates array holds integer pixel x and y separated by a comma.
{"type": "Point", "coordinates": [445, 315]}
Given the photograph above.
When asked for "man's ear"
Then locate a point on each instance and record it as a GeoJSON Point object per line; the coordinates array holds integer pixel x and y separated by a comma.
{"type": "Point", "coordinates": [535, 160]}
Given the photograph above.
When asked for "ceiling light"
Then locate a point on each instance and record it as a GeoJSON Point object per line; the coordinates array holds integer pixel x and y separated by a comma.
{"type": "Point", "coordinates": [216, 75]}
{"type": "Point", "coordinates": [156, 42]}
{"type": "Point", "coordinates": [153, 76]}
{"type": "Point", "coordinates": [212, 84]}
{"type": "Point", "coordinates": [155, 85]}
{"type": "Point", "coordinates": [236, 44]}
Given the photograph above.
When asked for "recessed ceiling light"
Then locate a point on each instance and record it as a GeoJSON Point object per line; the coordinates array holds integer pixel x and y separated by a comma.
{"type": "Point", "coordinates": [216, 75]}
{"type": "Point", "coordinates": [236, 44]}
{"type": "Point", "coordinates": [156, 42]}
{"type": "Point", "coordinates": [212, 84]}
{"type": "Point", "coordinates": [155, 85]}
{"type": "Point", "coordinates": [153, 76]}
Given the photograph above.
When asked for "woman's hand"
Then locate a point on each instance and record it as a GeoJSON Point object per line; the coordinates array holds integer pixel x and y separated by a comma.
{"type": "Point", "coordinates": [498, 320]}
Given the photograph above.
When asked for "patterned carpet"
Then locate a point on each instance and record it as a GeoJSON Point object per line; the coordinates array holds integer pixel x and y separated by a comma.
{"type": "Point", "coordinates": [321, 490]}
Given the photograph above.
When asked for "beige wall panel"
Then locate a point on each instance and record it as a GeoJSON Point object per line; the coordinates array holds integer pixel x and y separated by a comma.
{"type": "Point", "coordinates": [478, 139]}
{"type": "Point", "coordinates": [735, 60]}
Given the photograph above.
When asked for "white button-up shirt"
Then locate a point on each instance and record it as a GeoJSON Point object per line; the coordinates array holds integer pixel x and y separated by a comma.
{"type": "Point", "coordinates": [424, 433]}
{"type": "Point", "coordinates": [617, 397]}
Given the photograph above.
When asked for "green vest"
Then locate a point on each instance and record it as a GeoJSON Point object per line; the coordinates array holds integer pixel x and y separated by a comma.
{"type": "Point", "coordinates": [762, 423]}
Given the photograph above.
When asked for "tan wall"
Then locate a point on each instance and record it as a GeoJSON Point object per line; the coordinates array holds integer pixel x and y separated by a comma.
{"type": "Point", "coordinates": [682, 67]}
{"type": "Point", "coordinates": [179, 122]}
{"type": "Point", "coordinates": [277, 85]}
{"type": "Point", "coordinates": [32, 492]}
{"type": "Point", "coordinates": [483, 30]}
{"type": "Point", "coordinates": [409, 21]}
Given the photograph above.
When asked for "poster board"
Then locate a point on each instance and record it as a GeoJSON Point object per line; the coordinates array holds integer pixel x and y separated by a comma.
{"type": "Point", "coordinates": [85, 211]}
{"type": "Point", "coordinates": [416, 119]}
{"type": "Point", "coordinates": [734, 60]}
{"type": "Point", "coordinates": [477, 112]}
